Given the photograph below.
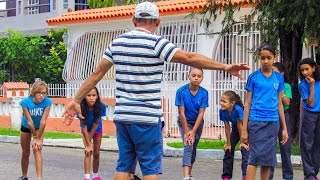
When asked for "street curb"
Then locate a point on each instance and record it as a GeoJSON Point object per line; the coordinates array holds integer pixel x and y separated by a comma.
{"type": "Point", "coordinates": [167, 151]}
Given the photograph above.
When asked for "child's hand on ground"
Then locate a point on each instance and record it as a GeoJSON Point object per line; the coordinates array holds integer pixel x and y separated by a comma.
{"type": "Point", "coordinates": [88, 149]}
{"type": "Point", "coordinates": [285, 136]}
{"type": "Point", "coordinates": [227, 148]}
{"type": "Point", "coordinates": [245, 146]}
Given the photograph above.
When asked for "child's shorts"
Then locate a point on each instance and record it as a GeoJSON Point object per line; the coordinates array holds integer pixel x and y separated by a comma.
{"type": "Point", "coordinates": [262, 142]}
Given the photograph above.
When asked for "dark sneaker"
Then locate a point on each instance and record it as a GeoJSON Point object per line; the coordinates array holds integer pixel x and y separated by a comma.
{"type": "Point", "coordinates": [23, 178]}
{"type": "Point", "coordinates": [135, 177]}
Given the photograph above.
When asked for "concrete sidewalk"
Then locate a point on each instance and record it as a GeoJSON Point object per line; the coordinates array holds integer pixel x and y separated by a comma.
{"type": "Point", "coordinates": [110, 144]}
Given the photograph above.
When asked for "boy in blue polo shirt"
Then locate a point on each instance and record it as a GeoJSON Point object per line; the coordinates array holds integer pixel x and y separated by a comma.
{"type": "Point", "coordinates": [192, 100]}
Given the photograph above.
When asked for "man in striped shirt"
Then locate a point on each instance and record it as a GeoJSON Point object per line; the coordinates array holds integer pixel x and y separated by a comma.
{"type": "Point", "coordinates": [138, 57]}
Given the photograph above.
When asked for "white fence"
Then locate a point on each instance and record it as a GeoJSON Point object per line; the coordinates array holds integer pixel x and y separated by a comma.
{"type": "Point", "coordinates": [213, 127]}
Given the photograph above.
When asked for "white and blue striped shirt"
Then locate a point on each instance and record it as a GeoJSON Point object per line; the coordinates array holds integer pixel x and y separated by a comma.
{"type": "Point", "coordinates": [138, 57]}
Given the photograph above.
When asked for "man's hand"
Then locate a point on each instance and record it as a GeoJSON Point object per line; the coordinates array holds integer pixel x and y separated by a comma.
{"type": "Point", "coordinates": [70, 111]}
{"type": "Point", "coordinates": [234, 69]}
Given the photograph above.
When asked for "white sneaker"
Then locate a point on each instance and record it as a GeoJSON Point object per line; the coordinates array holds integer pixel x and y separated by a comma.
{"type": "Point", "coordinates": [189, 178]}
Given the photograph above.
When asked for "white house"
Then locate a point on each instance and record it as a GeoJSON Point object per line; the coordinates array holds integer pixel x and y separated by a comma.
{"type": "Point", "coordinates": [90, 32]}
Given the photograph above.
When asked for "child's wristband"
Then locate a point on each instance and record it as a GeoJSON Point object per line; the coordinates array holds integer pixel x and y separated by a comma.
{"type": "Point", "coordinates": [34, 136]}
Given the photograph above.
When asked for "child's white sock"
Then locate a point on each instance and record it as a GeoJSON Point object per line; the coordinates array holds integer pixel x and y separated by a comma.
{"type": "Point", "coordinates": [87, 176]}
{"type": "Point", "coordinates": [95, 175]}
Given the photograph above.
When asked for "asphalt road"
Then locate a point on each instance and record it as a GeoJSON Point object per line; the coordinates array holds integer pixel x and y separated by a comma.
{"type": "Point", "coordinates": [67, 164]}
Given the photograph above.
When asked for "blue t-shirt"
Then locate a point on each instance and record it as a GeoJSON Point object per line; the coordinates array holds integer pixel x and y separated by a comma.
{"type": "Point", "coordinates": [35, 110]}
{"type": "Point", "coordinates": [264, 102]}
{"type": "Point", "coordinates": [90, 119]}
{"type": "Point", "coordinates": [192, 104]}
{"type": "Point", "coordinates": [304, 90]}
{"type": "Point", "coordinates": [235, 116]}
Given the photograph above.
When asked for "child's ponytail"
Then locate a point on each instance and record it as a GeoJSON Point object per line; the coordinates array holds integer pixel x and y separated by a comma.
{"type": "Point", "coordinates": [234, 97]}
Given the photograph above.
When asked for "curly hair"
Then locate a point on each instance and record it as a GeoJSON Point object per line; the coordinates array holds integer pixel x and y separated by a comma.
{"type": "Point", "coordinates": [312, 63]}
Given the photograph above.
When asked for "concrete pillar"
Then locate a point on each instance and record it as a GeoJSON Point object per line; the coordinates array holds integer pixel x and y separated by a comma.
{"type": "Point", "coordinates": [16, 112]}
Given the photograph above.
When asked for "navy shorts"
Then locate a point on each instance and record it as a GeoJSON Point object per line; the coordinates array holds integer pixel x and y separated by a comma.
{"type": "Point", "coordinates": [143, 142]}
{"type": "Point", "coordinates": [263, 142]}
{"type": "Point", "coordinates": [26, 130]}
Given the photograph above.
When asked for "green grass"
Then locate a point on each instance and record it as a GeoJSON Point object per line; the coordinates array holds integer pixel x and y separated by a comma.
{"type": "Point", "coordinates": [218, 144]}
{"type": "Point", "coordinates": [47, 134]}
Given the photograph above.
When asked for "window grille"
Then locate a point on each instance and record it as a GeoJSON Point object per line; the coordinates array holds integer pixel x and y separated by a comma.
{"type": "Point", "coordinates": [35, 9]}
{"type": "Point", "coordinates": [86, 53]}
{"type": "Point", "coordinates": [183, 34]}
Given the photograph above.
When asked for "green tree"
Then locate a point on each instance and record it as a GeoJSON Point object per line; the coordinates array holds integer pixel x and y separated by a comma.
{"type": "Point", "coordinates": [101, 3]}
{"type": "Point", "coordinates": [54, 59]}
{"type": "Point", "coordinates": [24, 58]}
{"type": "Point", "coordinates": [20, 56]}
{"type": "Point", "coordinates": [284, 23]}
{"type": "Point", "coordinates": [109, 3]}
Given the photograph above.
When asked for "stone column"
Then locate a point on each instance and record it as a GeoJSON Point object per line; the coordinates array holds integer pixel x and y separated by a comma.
{"type": "Point", "coordinates": [16, 112]}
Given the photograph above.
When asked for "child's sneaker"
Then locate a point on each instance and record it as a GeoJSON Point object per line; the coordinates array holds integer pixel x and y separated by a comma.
{"type": "Point", "coordinates": [135, 177]}
{"type": "Point", "coordinates": [244, 178]}
{"type": "Point", "coordinates": [226, 178]}
{"type": "Point", "coordinates": [189, 178]}
{"type": "Point", "coordinates": [192, 178]}
{"type": "Point", "coordinates": [97, 178]}
{"type": "Point", "coordinates": [23, 178]}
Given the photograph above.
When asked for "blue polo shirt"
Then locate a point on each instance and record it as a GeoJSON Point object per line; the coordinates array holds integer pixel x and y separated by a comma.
{"type": "Point", "coordinates": [264, 102]}
{"type": "Point", "coordinates": [191, 103]}
{"type": "Point", "coordinates": [235, 116]}
{"type": "Point", "coordinates": [304, 90]}
{"type": "Point", "coordinates": [35, 110]}
{"type": "Point", "coordinates": [90, 119]}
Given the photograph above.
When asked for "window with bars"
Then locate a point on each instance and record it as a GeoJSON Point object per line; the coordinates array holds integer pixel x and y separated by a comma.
{"type": "Point", "coordinates": [83, 58]}
{"type": "Point", "coordinates": [183, 34]}
{"type": "Point", "coordinates": [81, 5]}
{"type": "Point", "coordinates": [33, 9]}
{"type": "Point", "coordinates": [237, 47]}
{"type": "Point", "coordinates": [87, 52]}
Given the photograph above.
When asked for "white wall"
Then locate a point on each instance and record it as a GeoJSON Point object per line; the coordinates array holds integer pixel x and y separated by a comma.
{"type": "Point", "coordinates": [35, 23]}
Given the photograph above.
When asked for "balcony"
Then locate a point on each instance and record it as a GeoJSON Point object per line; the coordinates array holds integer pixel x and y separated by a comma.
{"type": "Point", "coordinates": [29, 16]}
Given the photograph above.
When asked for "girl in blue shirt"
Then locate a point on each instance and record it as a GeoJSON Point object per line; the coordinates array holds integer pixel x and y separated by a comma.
{"type": "Point", "coordinates": [262, 111]}
{"type": "Point", "coordinates": [35, 109]}
{"type": "Point", "coordinates": [192, 100]}
{"type": "Point", "coordinates": [91, 127]}
{"type": "Point", "coordinates": [285, 149]}
{"type": "Point", "coordinates": [309, 75]}
{"type": "Point", "coordinates": [232, 112]}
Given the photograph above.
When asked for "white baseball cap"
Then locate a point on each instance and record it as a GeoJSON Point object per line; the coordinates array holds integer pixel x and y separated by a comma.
{"type": "Point", "coordinates": [146, 10]}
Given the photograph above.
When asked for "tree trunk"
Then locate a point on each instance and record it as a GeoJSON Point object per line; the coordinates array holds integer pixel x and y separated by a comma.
{"type": "Point", "coordinates": [291, 53]}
